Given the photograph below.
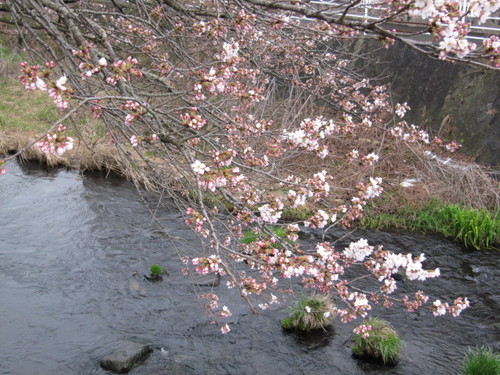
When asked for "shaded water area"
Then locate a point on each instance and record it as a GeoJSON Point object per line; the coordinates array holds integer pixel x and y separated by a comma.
{"type": "Point", "coordinates": [73, 250]}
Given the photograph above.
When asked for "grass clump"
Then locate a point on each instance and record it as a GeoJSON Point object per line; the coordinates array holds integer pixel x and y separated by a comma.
{"type": "Point", "coordinates": [479, 229]}
{"type": "Point", "coordinates": [310, 313]}
{"type": "Point", "coordinates": [156, 269]}
{"type": "Point", "coordinates": [474, 228]}
{"type": "Point", "coordinates": [383, 343]}
{"type": "Point", "coordinates": [155, 273]}
{"type": "Point", "coordinates": [481, 361]}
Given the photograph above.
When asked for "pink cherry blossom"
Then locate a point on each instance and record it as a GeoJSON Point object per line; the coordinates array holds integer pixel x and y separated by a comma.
{"type": "Point", "coordinates": [237, 116]}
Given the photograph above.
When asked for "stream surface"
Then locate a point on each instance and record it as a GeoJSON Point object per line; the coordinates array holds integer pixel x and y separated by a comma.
{"type": "Point", "coordinates": [73, 250]}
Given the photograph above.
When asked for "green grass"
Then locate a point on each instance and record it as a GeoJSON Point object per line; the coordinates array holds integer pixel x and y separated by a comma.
{"type": "Point", "coordinates": [478, 229]}
{"type": "Point", "coordinates": [8, 54]}
{"type": "Point", "coordinates": [481, 361]}
{"type": "Point", "coordinates": [3, 122]}
{"type": "Point", "coordinates": [4, 53]}
{"type": "Point", "coordinates": [295, 214]}
{"type": "Point", "coordinates": [310, 313]}
{"type": "Point", "coordinates": [383, 343]}
{"type": "Point", "coordinates": [156, 270]}
{"type": "Point", "coordinates": [474, 228]}
{"type": "Point", "coordinates": [22, 110]}
{"type": "Point", "coordinates": [251, 236]}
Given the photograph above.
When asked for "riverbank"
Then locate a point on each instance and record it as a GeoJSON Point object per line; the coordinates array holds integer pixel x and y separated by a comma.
{"type": "Point", "coordinates": [414, 176]}
{"type": "Point", "coordinates": [99, 157]}
{"type": "Point", "coordinates": [403, 206]}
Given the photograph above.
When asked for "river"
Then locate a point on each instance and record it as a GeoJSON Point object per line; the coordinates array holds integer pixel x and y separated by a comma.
{"type": "Point", "coordinates": [73, 249]}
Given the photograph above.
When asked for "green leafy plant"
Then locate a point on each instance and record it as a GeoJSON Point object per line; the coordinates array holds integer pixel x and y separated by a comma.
{"type": "Point", "coordinates": [481, 361]}
{"type": "Point", "coordinates": [156, 270]}
{"type": "Point", "coordinates": [310, 313]}
{"type": "Point", "coordinates": [383, 343]}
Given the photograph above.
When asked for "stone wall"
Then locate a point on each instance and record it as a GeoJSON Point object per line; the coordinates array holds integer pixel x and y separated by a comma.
{"type": "Point", "coordinates": [454, 101]}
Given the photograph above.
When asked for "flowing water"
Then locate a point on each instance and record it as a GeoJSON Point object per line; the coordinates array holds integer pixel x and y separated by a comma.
{"type": "Point", "coordinates": [73, 250]}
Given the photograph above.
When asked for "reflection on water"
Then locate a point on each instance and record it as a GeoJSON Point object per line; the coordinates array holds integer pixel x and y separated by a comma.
{"type": "Point", "coordinates": [317, 339]}
{"type": "Point", "coordinates": [72, 252]}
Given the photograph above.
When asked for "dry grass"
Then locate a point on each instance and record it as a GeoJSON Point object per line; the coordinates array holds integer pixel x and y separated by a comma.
{"type": "Point", "coordinates": [456, 181]}
{"type": "Point", "coordinates": [25, 116]}
{"type": "Point", "coordinates": [12, 142]}
{"type": "Point", "coordinates": [450, 179]}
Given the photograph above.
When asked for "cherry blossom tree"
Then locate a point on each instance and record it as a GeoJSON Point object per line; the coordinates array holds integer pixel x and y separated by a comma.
{"type": "Point", "coordinates": [232, 109]}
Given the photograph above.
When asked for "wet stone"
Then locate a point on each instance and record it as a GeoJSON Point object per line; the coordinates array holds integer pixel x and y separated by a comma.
{"type": "Point", "coordinates": [153, 278]}
{"type": "Point", "coordinates": [207, 280]}
{"type": "Point", "coordinates": [397, 276]}
{"type": "Point", "coordinates": [125, 357]}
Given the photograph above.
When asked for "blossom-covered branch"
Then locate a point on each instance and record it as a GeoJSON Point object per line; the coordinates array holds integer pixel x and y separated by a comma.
{"type": "Point", "coordinates": [232, 110]}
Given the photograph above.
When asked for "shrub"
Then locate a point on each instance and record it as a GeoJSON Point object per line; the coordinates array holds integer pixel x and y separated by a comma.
{"type": "Point", "coordinates": [310, 313]}
{"type": "Point", "coordinates": [382, 344]}
{"type": "Point", "coordinates": [481, 361]}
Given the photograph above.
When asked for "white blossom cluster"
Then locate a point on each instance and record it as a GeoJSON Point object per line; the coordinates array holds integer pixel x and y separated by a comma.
{"type": "Point", "coordinates": [358, 250]}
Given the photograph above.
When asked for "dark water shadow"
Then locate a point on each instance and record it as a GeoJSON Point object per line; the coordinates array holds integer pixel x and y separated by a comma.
{"type": "Point", "coordinates": [313, 340]}
{"type": "Point", "coordinates": [369, 365]}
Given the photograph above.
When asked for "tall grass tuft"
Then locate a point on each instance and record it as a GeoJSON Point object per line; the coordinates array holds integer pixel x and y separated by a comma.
{"type": "Point", "coordinates": [481, 361]}
{"type": "Point", "coordinates": [383, 343]}
{"type": "Point", "coordinates": [474, 228]}
{"type": "Point", "coordinates": [478, 229]}
{"type": "Point", "coordinates": [310, 313]}
{"type": "Point", "coordinates": [156, 272]}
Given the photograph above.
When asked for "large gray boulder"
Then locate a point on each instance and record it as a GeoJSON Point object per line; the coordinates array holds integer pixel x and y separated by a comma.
{"type": "Point", "coordinates": [125, 357]}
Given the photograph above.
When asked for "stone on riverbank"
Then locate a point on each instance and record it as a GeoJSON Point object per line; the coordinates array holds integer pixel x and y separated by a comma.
{"type": "Point", "coordinates": [125, 357]}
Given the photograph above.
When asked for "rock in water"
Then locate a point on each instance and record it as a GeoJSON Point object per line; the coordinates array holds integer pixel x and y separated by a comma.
{"type": "Point", "coordinates": [207, 280]}
{"type": "Point", "coordinates": [126, 356]}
